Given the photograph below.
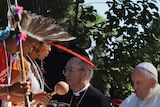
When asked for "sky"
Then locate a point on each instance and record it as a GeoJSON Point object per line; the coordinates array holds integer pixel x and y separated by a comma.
{"type": "Point", "coordinates": [100, 5]}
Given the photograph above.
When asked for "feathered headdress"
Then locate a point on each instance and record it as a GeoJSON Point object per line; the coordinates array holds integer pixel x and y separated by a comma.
{"type": "Point", "coordinates": [37, 26]}
{"type": "Point", "coordinates": [42, 28]}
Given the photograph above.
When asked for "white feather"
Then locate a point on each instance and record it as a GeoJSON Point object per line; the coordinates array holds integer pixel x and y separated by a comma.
{"type": "Point", "coordinates": [39, 27]}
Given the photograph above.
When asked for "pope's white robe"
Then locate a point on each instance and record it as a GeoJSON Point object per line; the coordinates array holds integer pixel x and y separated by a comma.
{"type": "Point", "coordinates": [152, 100]}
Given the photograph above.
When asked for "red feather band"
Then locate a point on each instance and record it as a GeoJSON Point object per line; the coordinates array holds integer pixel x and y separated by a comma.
{"type": "Point", "coordinates": [84, 58]}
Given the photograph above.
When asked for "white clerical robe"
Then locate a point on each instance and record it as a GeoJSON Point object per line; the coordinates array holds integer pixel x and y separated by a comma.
{"type": "Point", "coordinates": [152, 100]}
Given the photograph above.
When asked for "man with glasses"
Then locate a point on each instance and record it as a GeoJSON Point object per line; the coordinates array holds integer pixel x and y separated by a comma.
{"type": "Point", "coordinates": [78, 73]}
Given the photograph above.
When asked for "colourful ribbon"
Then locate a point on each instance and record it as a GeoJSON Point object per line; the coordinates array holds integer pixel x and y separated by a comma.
{"type": "Point", "coordinates": [21, 36]}
{"type": "Point", "coordinates": [4, 33]}
{"type": "Point", "coordinates": [17, 9]}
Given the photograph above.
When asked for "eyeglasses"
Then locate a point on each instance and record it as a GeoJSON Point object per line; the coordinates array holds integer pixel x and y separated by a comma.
{"type": "Point", "coordinates": [71, 70]}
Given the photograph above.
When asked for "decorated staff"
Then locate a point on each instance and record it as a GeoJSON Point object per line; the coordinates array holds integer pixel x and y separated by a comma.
{"type": "Point", "coordinates": [7, 48]}
{"type": "Point", "coordinates": [14, 12]}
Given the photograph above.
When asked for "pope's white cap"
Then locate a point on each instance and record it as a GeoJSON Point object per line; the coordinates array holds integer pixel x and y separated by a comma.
{"type": "Point", "coordinates": [149, 67]}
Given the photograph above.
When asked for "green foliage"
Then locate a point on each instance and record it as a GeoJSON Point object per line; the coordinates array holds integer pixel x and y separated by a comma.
{"type": "Point", "coordinates": [135, 42]}
{"type": "Point", "coordinates": [58, 9]}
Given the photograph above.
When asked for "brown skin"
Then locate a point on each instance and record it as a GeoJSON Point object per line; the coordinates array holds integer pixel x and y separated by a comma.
{"type": "Point", "coordinates": [15, 88]}
{"type": "Point", "coordinates": [42, 98]}
{"type": "Point", "coordinates": [11, 45]}
{"type": "Point", "coordinates": [40, 51]}
{"type": "Point", "coordinates": [26, 46]}
{"type": "Point", "coordinates": [19, 89]}
{"type": "Point", "coordinates": [43, 51]}
{"type": "Point", "coordinates": [12, 48]}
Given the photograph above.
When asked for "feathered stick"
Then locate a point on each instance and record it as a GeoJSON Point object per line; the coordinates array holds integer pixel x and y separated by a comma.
{"type": "Point", "coordinates": [14, 17]}
{"type": "Point", "coordinates": [23, 75]}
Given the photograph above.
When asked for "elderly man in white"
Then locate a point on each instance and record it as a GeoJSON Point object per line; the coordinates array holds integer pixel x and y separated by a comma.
{"type": "Point", "coordinates": [146, 86]}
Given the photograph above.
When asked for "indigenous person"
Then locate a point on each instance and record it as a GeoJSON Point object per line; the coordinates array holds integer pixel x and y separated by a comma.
{"type": "Point", "coordinates": [39, 28]}
{"type": "Point", "coordinates": [78, 74]}
{"type": "Point", "coordinates": [146, 86]}
{"type": "Point", "coordinates": [7, 48]}
{"type": "Point", "coordinates": [24, 22]}
{"type": "Point", "coordinates": [37, 50]}
{"type": "Point", "coordinates": [33, 50]}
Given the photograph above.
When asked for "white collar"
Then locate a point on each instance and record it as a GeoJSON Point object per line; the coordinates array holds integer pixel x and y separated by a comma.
{"type": "Point", "coordinates": [78, 93]}
{"type": "Point", "coordinates": [155, 90]}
